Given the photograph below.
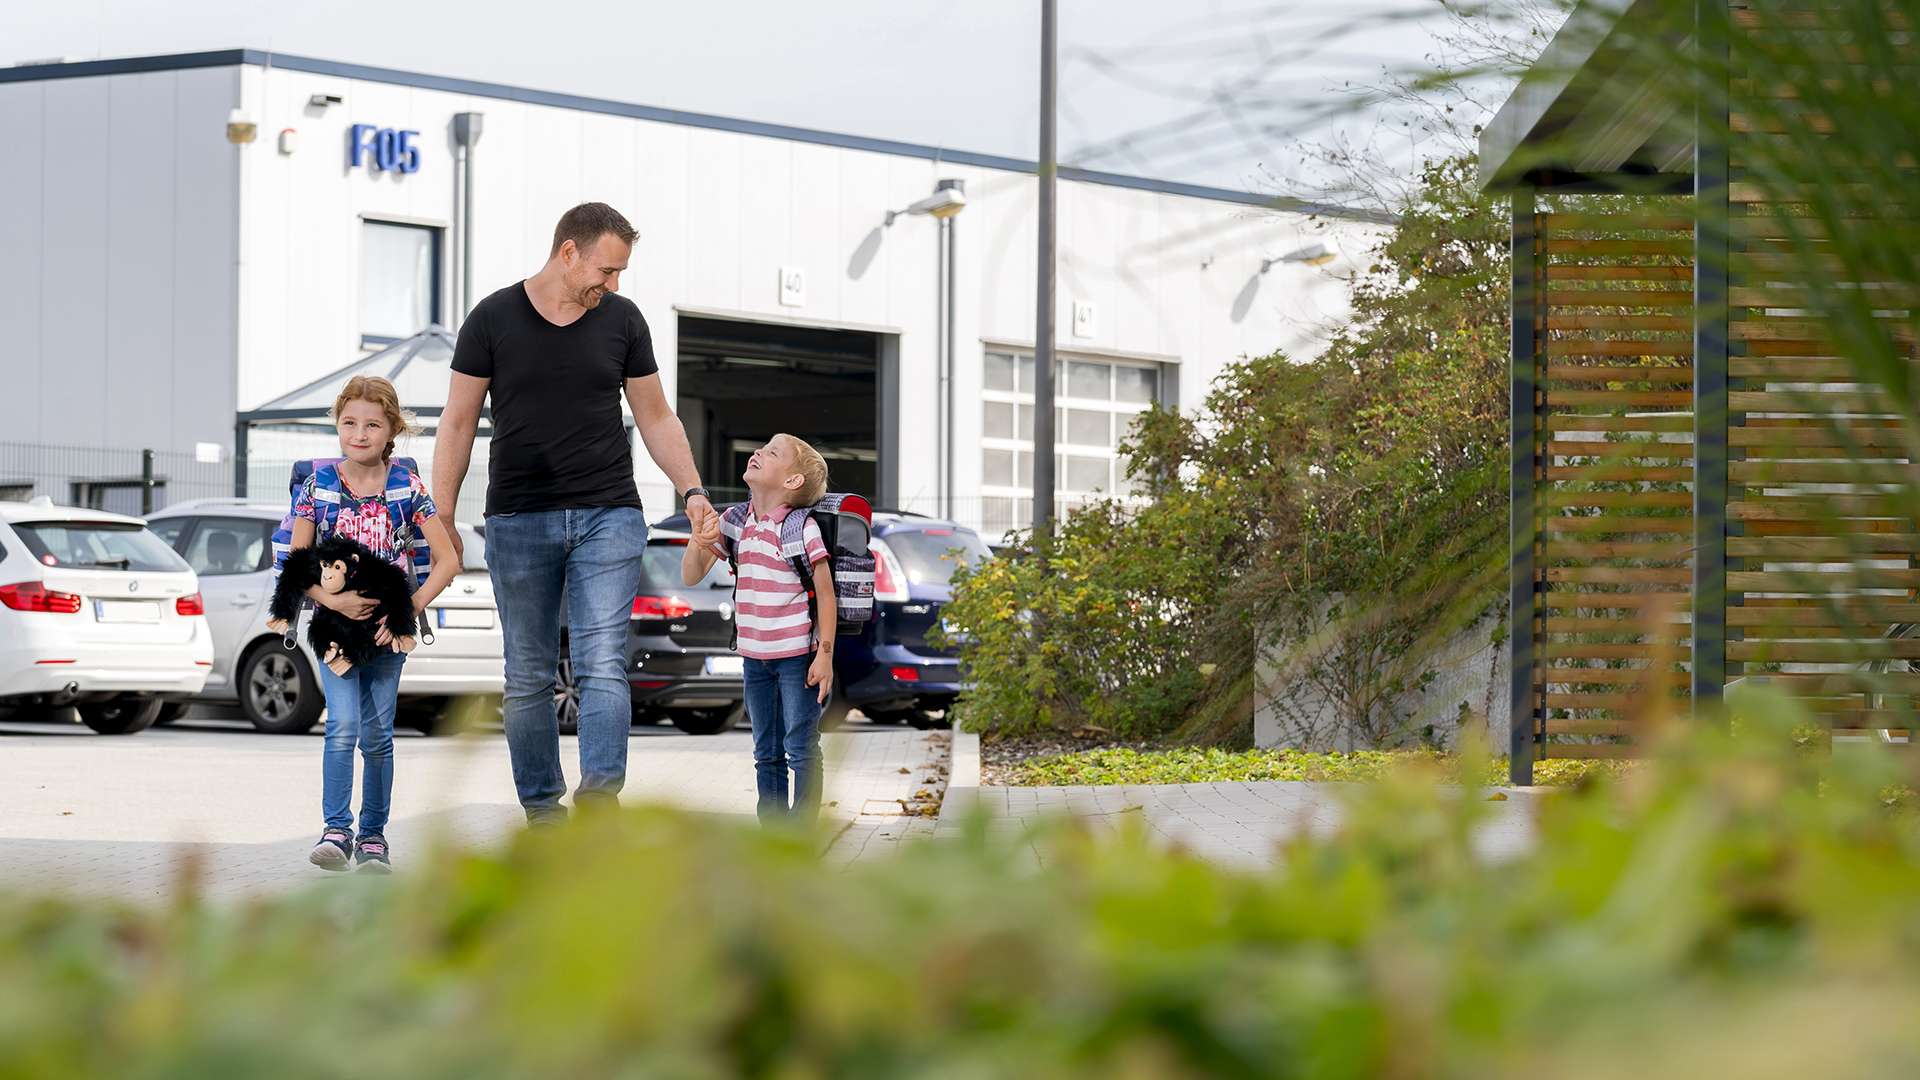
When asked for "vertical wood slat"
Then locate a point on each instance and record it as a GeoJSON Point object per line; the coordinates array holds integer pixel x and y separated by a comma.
{"type": "Point", "coordinates": [1523, 521]}
{"type": "Point", "coordinates": [1711, 251]}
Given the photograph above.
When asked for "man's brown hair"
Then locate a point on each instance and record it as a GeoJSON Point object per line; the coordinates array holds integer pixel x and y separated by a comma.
{"type": "Point", "coordinates": [587, 223]}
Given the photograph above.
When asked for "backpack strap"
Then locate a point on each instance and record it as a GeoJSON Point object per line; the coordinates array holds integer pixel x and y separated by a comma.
{"type": "Point", "coordinates": [793, 545]}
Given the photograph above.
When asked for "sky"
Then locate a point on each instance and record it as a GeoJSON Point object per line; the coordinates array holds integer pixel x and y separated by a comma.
{"type": "Point", "coordinates": [1215, 92]}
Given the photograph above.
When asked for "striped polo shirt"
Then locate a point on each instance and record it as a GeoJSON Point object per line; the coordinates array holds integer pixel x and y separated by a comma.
{"type": "Point", "coordinates": [770, 600]}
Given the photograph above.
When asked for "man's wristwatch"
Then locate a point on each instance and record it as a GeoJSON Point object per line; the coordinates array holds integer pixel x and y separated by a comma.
{"type": "Point", "coordinates": [687, 495]}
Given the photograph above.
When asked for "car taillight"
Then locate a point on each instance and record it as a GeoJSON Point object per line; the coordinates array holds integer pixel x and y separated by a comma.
{"type": "Point", "coordinates": [33, 596]}
{"type": "Point", "coordinates": [661, 607]}
{"type": "Point", "coordinates": [889, 583]}
{"type": "Point", "coordinates": [190, 604]}
{"type": "Point", "coordinates": [905, 674]}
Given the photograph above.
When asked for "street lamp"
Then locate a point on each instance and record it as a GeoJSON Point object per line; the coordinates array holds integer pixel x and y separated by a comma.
{"type": "Point", "coordinates": [948, 199]}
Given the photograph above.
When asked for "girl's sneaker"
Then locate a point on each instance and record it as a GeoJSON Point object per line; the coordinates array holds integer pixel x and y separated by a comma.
{"type": "Point", "coordinates": [331, 852]}
{"type": "Point", "coordinates": [370, 854]}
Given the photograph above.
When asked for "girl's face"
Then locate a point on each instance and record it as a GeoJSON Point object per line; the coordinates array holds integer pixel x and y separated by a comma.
{"type": "Point", "coordinates": [364, 432]}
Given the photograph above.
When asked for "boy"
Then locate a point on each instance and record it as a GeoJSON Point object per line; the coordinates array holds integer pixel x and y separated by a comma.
{"type": "Point", "coordinates": [785, 648]}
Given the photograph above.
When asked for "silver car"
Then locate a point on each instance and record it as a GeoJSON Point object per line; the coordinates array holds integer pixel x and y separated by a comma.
{"type": "Point", "coordinates": [228, 542]}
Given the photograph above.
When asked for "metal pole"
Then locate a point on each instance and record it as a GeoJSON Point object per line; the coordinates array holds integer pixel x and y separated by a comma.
{"type": "Point", "coordinates": [1044, 300]}
{"type": "Point", "coordinates": [146, 482]}
{"type": "Point", "coordinates": [459, 305]}
{"type": "Point", "coordinates": [1522, 517]}
{"type": "Point", "coordinates": [947, 387]}
{"type": "Point", "coordinates": [466, 135]}
{"type": "Point", "coordinates": [942, 445]}
{"type": "Point", "coordinates": [1710, 256]}
{"type": "Point", "coordinates": [240, 429]}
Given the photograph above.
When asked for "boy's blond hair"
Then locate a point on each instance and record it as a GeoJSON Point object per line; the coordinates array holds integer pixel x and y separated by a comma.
{"type": "Point", "coordinates": [811, 467]}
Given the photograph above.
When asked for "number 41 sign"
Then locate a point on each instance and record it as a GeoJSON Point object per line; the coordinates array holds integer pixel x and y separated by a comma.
{"type": "Point", "coordinates": [389, 150]}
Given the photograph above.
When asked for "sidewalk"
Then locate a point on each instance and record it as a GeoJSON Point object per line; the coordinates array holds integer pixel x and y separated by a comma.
{"type": "Point", "coordinates": [125, 817]}
{"type": "Point", "coordinates": [1235, 824]}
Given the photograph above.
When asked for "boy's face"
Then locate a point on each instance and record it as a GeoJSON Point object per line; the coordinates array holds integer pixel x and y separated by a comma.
{"type": "Point", "coordinates": [773, 469]}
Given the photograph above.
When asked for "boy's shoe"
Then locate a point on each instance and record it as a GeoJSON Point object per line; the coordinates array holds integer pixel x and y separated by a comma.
{"type": "Point", "coordinates": [331, 852]}
{"type": "Point", "coordinates": [370, 854]}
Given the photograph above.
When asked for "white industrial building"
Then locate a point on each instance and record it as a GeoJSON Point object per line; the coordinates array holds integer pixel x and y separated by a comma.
{"type": "Point", "coordinates": [185, 239]}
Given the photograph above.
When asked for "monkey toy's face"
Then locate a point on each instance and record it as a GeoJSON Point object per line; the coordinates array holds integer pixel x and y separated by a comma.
{"type": "Point", "coordinates": [333, 575]}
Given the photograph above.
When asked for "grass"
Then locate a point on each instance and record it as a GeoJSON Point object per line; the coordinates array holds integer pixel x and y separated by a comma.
{"type": "Point", "coordinates": [1191, 765]}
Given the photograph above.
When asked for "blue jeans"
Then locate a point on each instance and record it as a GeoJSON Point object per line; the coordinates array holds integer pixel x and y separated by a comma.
{"type": "Point", "coordinates": [360, 707]}
{"type": "Point", "coordinates": [588, 559]}
{"type": "Point", "coordinates": [785, 712]}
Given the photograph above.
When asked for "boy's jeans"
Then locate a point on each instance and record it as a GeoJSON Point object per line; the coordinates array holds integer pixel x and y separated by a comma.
{"type": "Point", "coordinates": [360, 706]}
{"type": "Point", "coordinates": [785, 712]}
{"type": "Point", "coordinates": [591, 558]}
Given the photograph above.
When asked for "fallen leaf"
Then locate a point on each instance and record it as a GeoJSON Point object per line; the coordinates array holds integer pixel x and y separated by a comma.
{"type": "Point", "coordinates": [1498, 796]}
{"type": "Point", "coordinates": [905, 771]}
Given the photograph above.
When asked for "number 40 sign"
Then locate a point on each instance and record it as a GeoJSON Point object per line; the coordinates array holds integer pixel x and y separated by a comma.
{"type": "Point", "coordinates": [389, 150]}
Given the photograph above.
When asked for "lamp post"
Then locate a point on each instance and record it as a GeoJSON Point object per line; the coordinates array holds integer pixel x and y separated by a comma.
{"type": "Point", "coordinates": [948, 199]}
{"type": "Point", "coordinates": [1044, 301]}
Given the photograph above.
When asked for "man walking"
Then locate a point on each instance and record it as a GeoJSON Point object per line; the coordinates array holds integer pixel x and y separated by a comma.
{"type": "Point", "coordinates": [555, 352]}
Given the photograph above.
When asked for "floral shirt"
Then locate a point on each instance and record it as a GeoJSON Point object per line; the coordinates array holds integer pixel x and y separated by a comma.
{"type": "Point", "coordinates": [364, 518]}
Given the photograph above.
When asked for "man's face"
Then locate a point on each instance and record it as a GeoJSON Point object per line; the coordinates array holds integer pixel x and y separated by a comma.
{"type": "Point", "coordinates": [593, 272]}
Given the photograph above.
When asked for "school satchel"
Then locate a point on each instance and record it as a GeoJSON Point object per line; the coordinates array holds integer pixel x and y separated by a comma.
{"type": "Point", "coordinates": [846, 528]}
{"type": "Point", "coordinates": [398, 497]}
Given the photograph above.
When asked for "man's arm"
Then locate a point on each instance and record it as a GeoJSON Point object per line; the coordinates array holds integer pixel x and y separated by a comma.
{"type": "Point", "coordinates": [453, 447]}
{"type": "Point", "coordinates": [666, 440]}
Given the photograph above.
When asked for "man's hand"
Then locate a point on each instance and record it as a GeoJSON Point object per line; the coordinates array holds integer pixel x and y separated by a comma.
{"type": "Point", "coordinates": [820, 673]}
{"type": "Point", "coordinates": [351, 604]}
{"type": "Point", "coordinates": [707, 533]}
{"type": "Point", "coordinates": [699, 512]}
{"type": "Point", "coordinates": [459, 545]}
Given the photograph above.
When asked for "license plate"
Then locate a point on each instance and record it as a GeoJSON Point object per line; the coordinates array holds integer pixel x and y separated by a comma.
{"type": "Point", "coordinates": [126, 611]}
{"type": "Point", "coordinates": [723, 665]}
{"type": "Point", "coordinates": [465, 618]}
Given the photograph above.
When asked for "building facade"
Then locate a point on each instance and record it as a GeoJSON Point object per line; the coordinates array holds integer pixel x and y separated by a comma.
{"type": "Point", "coordinates": [184, 238]}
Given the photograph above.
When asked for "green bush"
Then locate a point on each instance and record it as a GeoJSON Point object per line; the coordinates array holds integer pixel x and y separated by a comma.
{"type": "Point", "coordinates": [1739, 909]}
{"type": "Point", "coordinates": [1105, 635]}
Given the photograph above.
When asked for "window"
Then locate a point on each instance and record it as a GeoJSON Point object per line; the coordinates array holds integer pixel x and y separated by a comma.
{"type": "Point", "coordinates": [1098, 401]}
{"type": "Point", "coordinates": [230, 546]}
{"type": "Point", "coordinates": [399, 280]}
{"type": "Point", "coordinates": [97, 545]}
{"type": "Point", "coordinates": [169, 529]}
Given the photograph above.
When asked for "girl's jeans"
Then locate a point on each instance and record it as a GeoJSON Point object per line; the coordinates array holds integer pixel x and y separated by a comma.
{"type": "Point", "coordinates": [785, 712]}
{"type": "Point", "coordinates": [360, 707]}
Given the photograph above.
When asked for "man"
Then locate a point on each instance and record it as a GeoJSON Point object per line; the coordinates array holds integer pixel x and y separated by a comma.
{"type": "Point", "coordinates": [564, 522]}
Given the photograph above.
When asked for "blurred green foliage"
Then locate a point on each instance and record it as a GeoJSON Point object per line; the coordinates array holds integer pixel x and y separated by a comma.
{"type": "Point", "coordinates": [1739, 907]}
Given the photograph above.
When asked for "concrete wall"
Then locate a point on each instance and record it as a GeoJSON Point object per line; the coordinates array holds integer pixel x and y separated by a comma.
{"type": "Point", "coordinates": [117, 260]}
{"type": "Point", "coordinates": [1468, 667]}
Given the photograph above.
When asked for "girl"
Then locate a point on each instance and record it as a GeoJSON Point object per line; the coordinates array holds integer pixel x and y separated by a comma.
{"type": "Point", "coordinates": [352, 499]}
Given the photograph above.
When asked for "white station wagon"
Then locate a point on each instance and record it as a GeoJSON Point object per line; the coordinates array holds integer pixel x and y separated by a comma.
{"type": "Point", "coordinates": [98, 613]}
{"type": "Point", "coordinates": [228, 542]}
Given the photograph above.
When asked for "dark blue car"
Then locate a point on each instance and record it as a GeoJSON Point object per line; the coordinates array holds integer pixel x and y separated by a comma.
{"type": "Point", "coordinates": [891, 671]}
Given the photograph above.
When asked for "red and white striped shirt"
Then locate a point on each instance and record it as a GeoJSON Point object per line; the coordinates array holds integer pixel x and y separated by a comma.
{"type": "Point", "coordinates": [770, 599]}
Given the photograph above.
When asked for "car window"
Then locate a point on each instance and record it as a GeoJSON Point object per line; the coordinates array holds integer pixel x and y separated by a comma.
{"type": "Point", "coordinates": [230, 546]}
{"type": "Point", "coordinates": [97, 545]}
{"type": "Point", "coordinates": [660, 568]}
{"type": "Point", "coordinates": [930, 556]}
{"type": "Point", "coordinates": [168, 530]}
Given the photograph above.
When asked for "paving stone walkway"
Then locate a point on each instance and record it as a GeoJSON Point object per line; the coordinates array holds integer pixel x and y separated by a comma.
{"type": "Point", "coordinates": [88, 814]}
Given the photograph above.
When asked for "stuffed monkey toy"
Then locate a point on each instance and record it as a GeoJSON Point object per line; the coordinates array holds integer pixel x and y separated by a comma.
{"type": "Point", "coordinates": [337, 565]}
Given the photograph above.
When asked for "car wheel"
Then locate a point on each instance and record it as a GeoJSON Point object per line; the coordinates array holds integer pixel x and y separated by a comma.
{"type": "Point", "coordinates": [833, 713]}
{"type": "Point", "coordinates": [891, 716]}
{"type": "Point", "coordinates": [122, 715]}
{"type": "Point", "coordinates": [707, 721]}
{"type": "Point", "coordinates": [427, 715]}
{"type": "Point", "coordinates": [169, 712]}
{"type": "Point", "coordinates": [278, 695]}
{"type": "Point", "coordinates": [566, 695]}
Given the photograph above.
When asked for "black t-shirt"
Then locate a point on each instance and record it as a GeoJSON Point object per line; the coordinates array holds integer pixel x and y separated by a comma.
{"type": "Point", "coordinates": [558, 441]}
